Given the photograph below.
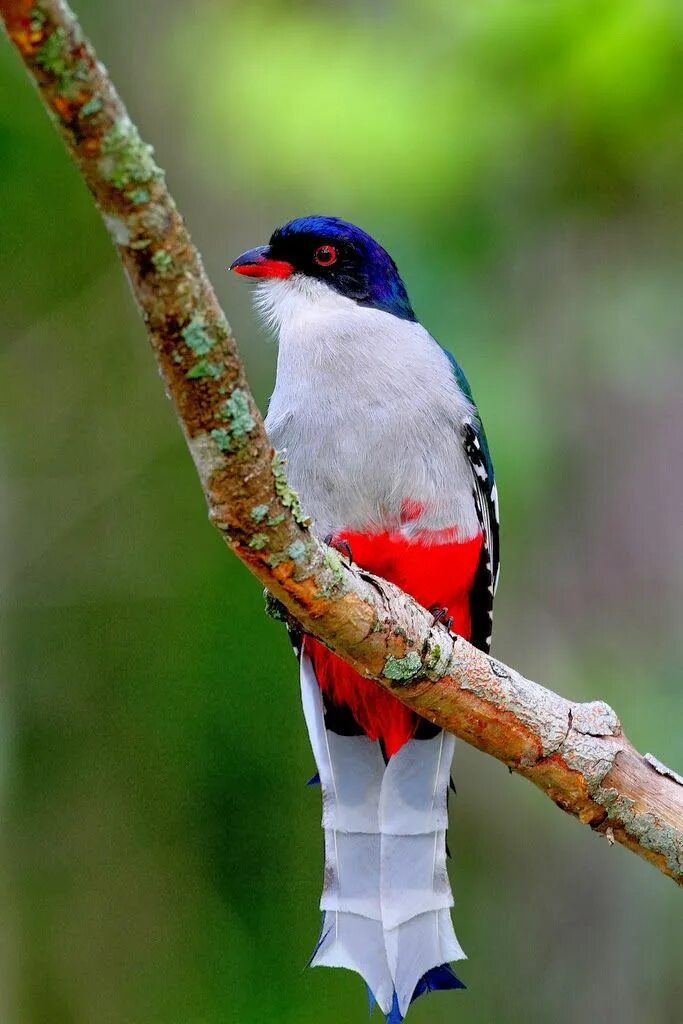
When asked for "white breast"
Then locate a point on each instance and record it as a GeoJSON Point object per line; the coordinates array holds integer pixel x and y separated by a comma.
{"type": "Point", "coordinates": [366, 412]}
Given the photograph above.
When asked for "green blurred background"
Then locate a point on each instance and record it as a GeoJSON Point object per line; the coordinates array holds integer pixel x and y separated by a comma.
{"type": "Point", "coordinates": [523, 162]}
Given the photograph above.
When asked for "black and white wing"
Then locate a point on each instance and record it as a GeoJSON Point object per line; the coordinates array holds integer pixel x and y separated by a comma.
{"type": "Point", "coordinates": [486, 500]}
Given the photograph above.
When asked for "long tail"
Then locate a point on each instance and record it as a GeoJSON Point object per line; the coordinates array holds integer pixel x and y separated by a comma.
{"type": "Point", "coordinates": [386, 897]}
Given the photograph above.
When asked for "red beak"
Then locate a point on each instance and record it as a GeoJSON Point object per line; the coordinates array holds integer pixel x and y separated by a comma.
{"type": "Point", "coordinates": [257, 263]}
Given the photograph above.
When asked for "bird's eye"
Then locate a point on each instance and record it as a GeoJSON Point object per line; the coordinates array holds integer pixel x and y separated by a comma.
{"type": "Point", "coordinates": [325, 255]}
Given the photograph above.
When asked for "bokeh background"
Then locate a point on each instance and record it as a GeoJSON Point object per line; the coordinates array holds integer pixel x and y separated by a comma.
{"type": "Point", "coordinates": [523, 162]}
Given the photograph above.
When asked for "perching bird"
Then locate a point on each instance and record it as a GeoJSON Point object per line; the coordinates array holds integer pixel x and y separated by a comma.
{"type": "Point", "coordinates": [385, 447]}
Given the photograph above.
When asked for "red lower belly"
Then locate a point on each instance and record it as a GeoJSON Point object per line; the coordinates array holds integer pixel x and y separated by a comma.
{"type": "Point", "coordinates": [434, 574]}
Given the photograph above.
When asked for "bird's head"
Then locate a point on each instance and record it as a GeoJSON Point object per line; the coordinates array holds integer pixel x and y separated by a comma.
{"type": "Point", "coordinates": [332, 253]}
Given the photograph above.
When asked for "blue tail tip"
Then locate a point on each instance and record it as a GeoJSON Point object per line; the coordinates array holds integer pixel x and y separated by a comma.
{"type": "Point", "coordinates": [436, 979]}
{"type": "Point", "coordinates": [394, 1016]}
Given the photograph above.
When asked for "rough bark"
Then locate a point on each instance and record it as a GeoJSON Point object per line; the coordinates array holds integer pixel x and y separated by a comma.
{"type": "Point", "coordinates": [576, 753]}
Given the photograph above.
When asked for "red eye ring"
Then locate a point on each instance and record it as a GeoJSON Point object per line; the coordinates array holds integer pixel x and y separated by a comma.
{"type": "Point", "coordinates": [325, 255]}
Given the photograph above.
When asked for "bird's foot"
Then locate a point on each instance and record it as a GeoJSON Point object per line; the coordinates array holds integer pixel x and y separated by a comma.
{"type": "Point", "coordinates": [342, 546]}
{"type": "Point", "coordinates": [441, 615]}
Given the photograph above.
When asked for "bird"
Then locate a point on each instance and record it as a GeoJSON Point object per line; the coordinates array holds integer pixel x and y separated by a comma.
{"type": "Point", "coordinates": [384, 444]}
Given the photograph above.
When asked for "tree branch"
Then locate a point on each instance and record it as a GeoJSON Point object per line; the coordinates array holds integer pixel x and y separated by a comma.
{"type": "Point", "coordinates": [576, 753]}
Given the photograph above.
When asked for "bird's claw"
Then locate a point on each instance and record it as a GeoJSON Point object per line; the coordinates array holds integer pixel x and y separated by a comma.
{"type": "Point", "coordinates": [441, 615]}
{"type": "Point", "coordinates": [339, 545]}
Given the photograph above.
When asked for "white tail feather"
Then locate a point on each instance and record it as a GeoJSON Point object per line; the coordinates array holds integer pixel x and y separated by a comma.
{"type": "Point", "coordinates": [357, 943]}
{"type": "Point", "coordinates": [386, 895]}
